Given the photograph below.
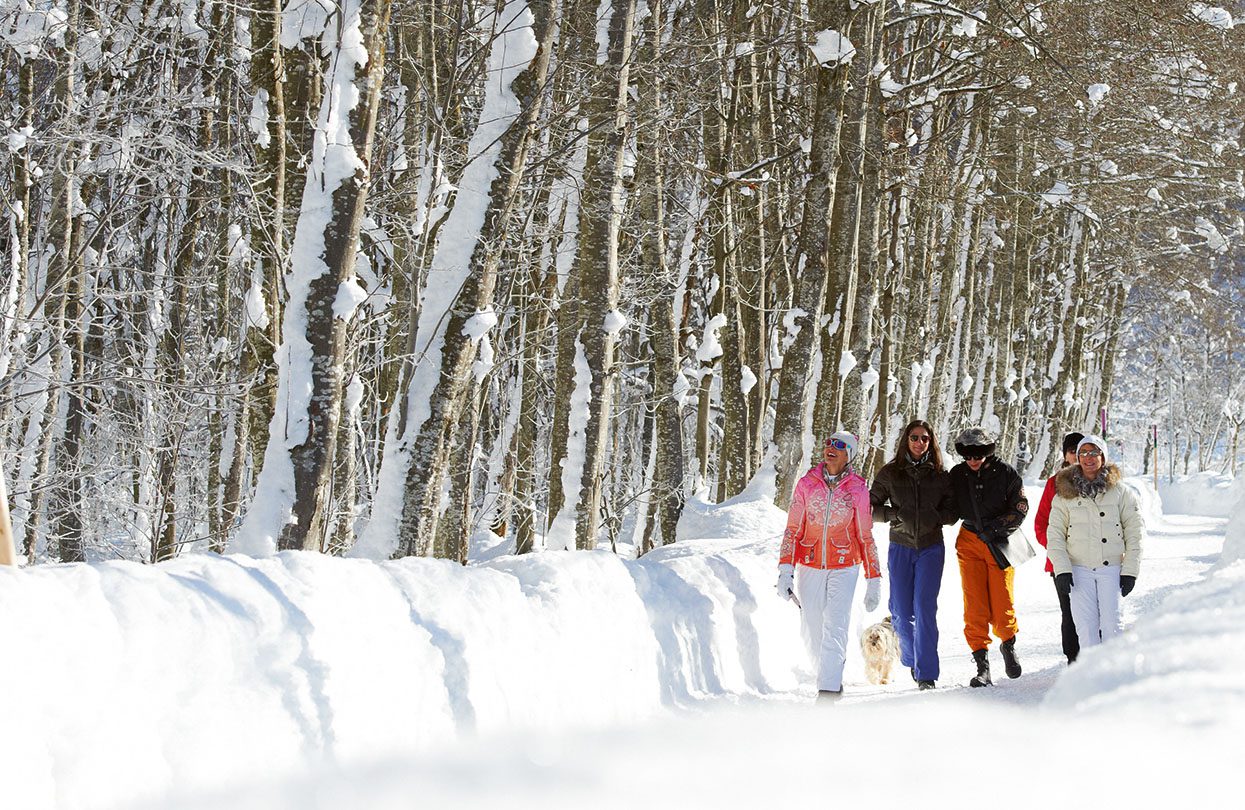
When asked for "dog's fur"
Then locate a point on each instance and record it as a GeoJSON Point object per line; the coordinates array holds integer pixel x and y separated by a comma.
{"type": "Point", "coordinates": [880, 647]}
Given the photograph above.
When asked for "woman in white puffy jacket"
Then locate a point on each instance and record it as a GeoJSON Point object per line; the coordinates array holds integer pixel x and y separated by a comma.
{"type": "Point", "coordinates": [1094, 541]}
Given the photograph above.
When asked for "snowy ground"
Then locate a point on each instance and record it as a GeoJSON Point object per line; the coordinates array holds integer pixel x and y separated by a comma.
{"type": "Point", "coordinates": [569, 679]}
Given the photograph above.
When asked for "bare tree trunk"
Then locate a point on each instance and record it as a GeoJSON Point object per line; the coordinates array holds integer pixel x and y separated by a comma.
{"type": "Point", "coordinates": [68, 501]}
{"type": "Point", "coordinates": [849, 295]}
{"type": "Point", "coordinates": [65, 285]}
{"type": "Point", "coordinates": [665, 499]}
{"type": "Point", "coordinates": [298, 470]}
{"type": "Point", "coordinates": [598, 260]}
{"type": "Point", "coordinates": [812, 270]}
{"type": "Point", "coordinates": [164, 544]}
{"type": "Point", "coordinates": [431, 446]}
{"type": "Point", "coordinates": [540, 289]}
{"type": "Point", "coordinates": [268, 237]}
{"type": "Point", "coordinates": [454, 526]}
{"type": "Point", "coordinates": [734, 467]}
{"type": "Point", "coordinates": [346, 473]}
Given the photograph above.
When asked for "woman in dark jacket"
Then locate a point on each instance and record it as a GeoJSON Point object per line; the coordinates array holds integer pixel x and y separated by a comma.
{"type": "Point", "coordinates": [913, 493]}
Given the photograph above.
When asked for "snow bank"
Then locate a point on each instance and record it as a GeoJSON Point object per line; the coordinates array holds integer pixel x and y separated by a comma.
{"type": "Point", "coordinates": [1205, 493]}
{"type": "Point", "coordinates": [750, 515]}
{"type": "Point", "coordinates": [131, 681]}
{"type": "Point", "coordinates": [1234, 533]}
{"type": "Point", "coordinates": [1148, 500]}
{"type": "Point", "coordinates": [1181, 663]}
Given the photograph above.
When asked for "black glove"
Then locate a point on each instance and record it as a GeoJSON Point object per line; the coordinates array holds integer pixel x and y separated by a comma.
{"type": "Point", "coordinates": [995, 533]}
{"type": "Point", "coordinates": [1063, 583]}
{"type": "Point", "coordinates": [1127, 584]}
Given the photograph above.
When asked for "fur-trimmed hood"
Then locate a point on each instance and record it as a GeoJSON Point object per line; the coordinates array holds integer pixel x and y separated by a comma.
{"type": "Point", "coordinates": [1065, 487]}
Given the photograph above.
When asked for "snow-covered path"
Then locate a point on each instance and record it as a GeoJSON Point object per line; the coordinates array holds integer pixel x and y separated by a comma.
{"type": "Point", "coordinates": [573, 679]}
{"type": "Point", "coordinates": [1179, 550]}
{"type": "Point", "coordinates": [895, 747]}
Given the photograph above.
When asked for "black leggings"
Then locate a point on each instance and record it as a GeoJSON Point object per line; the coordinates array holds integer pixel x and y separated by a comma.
{"type": "Point", "coordinates": [1071, 645]}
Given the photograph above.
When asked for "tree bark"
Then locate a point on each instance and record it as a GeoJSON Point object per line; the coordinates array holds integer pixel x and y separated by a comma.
{"type": "Point", "coordinates": [597, 259]}
{"type": "Point", "coordinates": [812, 269]}
{"type": "Point", "coordinates": [430, 445]}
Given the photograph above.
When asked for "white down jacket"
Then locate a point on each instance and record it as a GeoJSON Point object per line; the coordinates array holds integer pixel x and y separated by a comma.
{"type": "Point", "coordinates": [1094, 532]}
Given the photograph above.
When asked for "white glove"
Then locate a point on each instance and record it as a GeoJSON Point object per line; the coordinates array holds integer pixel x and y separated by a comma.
{"type": "Point", "coordinates": [873, 594]}
{"type": "Point", "coordinates": [786, 581]}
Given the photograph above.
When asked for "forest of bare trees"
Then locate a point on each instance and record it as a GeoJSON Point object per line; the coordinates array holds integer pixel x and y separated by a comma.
{"type": "Point", "coordinates": [375, 276]}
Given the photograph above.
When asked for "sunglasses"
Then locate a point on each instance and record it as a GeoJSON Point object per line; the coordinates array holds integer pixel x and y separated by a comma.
{"type": "Point", "coordinates": [918, 437]}
{"type": "Point", "coordinates": [975, 457]}
{"type": "Point", "coordinates": [837, 444]}
{"type": "Point", "coordinates": [1090, 453]}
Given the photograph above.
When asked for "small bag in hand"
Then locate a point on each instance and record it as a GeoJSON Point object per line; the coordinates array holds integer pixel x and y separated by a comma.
{"type": "Point", "coordinates": [1009, 549]}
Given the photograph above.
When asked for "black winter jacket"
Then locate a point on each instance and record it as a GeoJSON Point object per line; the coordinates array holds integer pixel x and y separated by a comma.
{"type": "Point", "coordinates": [915, 499]}
{"type": "Point", "coordinates": [1000, 497]}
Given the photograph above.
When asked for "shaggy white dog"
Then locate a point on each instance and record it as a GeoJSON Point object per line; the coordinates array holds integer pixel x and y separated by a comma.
{"type": "Point", "coordinates": [880, 647]}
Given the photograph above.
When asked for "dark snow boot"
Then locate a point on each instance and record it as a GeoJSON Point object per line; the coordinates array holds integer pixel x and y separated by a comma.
{"type": "Point", "coordinates": [826, 697]}
{"type": "Point", "coordinates": [925, 686]}
{"type": "Point", "coordinates": [1011, 663]}
{"type": "Point", "coordinates": [982, 678]}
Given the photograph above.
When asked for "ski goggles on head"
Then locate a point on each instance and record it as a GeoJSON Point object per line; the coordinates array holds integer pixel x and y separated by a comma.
{"type": "Point", "coordinates": [837, 444]}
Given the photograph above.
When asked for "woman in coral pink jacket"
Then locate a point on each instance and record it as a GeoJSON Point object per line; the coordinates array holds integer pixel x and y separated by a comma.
{"type": "Point", "coordinates": [829, 537]}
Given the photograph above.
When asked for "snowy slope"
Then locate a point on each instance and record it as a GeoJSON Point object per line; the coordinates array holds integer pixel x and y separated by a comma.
{"type": "Point", "coordinates": [302, 681]}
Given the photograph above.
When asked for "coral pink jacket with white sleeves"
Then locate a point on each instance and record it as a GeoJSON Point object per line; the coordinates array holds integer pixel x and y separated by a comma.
{"type": "Point", "coordinates": [828, 529]}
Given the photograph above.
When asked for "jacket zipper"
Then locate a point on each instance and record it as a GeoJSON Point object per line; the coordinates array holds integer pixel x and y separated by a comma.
{"type": "Point", "coordinates": [825, 523]}
{"type": "Point", "coordinates": [916, 487]}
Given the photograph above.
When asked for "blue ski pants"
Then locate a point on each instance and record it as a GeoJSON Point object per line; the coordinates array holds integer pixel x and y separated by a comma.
{"type": "Point", "coordinates": [915, 579]}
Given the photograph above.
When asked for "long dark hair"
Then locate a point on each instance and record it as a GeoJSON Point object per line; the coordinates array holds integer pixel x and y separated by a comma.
{"type": "Point", "coordinates": [935, 452]}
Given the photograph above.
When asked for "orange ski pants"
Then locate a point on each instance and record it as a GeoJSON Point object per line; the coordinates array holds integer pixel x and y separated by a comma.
{"type": "Point", "coordinates": [989, 593]}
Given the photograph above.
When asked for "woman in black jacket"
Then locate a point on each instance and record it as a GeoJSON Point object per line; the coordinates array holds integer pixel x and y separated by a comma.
{"type": "Point", "coordinates": [990, 498]}
{"type": "Point", "coordinates": [913, 493]}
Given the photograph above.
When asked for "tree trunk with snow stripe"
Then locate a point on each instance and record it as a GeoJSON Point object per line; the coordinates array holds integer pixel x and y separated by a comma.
{"type": "Point", "coordinates": [292, 508]}
{"type": "Point", "coordinates": [268, 246]}
{"type": "Point", "coordinates": [456, 315]}
{"type": "Point", "coordinates": [812, 272]}
{"type": "Point", "coordinates": [855, 414]}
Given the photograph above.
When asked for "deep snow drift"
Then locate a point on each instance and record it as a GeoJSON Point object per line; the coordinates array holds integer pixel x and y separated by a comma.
{"type": "Point", "coordinates": [302, 681]}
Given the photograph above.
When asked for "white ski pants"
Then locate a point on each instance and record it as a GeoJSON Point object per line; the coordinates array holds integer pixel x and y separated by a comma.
{"type": "Point", "coordinates": [825, 610]}
{"type": "Point", "coordinates": [1095, 602]}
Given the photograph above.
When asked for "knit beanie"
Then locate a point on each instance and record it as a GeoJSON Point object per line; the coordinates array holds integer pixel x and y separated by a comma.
{"type": "Point", "coordinates": [850, 441]}
{"type": "Point", "coordinates": [1096, 442]}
